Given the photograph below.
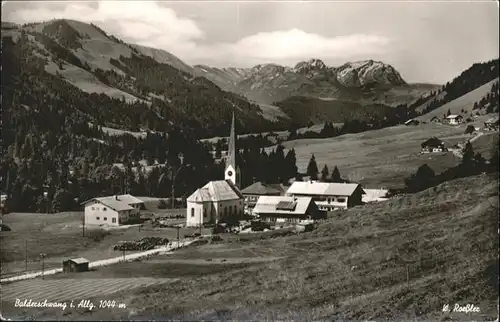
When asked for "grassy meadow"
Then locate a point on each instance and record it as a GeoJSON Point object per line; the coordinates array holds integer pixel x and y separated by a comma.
{"type": "Point", "coordinates": [383, 158]}
{"type": "Point", "coordinates": [399, 260]}
{"type": "Point", "coordinates": [59, 236]}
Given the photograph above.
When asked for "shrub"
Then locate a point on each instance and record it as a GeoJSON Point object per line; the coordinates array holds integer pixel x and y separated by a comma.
{"type": "Point", "coordinates": [162, 204]}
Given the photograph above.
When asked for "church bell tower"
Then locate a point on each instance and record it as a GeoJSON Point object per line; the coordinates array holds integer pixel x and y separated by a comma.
{"type": "Point", "coordinates": [232, 172]}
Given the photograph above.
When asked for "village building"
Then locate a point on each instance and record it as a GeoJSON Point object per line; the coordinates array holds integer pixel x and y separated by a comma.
{"type": "Point", "coordinates": [218, 200]}
{"type": "Point", "coordinates": [76, 265]}
{"type": "Point", "coordinates": [412, 122]}
{"type": "Point", "coordinates": [435, 119]}
{"type": "Point", "coordinates": [491, 124]}
{"type": "Point", "coordinates": [328, 196]}
{"type": "Point", "coordinates": [433, 145]}
{"type": "Point", "coordinates": [257, 189]}
{"type": "Point", "coordinates": [375, 195]}
{"type": "Point", "coordinates": [213, 203]}
{"type": "Point", "coordinates": [283, 209]}
{"type": "Point", "coordinates": [454, 119]}
{"type": "Point", "coordinates": [112, 210]}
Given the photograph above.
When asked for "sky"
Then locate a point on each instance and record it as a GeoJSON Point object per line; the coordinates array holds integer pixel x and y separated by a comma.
{"type": "Point", "coordinates": [427, 42]}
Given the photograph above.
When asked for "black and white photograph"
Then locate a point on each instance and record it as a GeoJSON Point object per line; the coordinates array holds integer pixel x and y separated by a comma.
{"type": "Point", "coordinates": [249, 160]}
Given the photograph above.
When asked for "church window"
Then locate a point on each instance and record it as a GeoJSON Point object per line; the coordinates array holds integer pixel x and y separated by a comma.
{"type": "Point", "coordinates": [192, 212]}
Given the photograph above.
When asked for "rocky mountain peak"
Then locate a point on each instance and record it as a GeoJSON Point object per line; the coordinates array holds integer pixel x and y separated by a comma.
{"type": "Point", "coordinates": [310, 65]}
{"type": "Point", "coordinates": [367, 72]}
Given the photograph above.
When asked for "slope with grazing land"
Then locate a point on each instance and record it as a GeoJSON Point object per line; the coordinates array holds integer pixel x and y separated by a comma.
{"type": "Point", "coordinates": [468, 81]}
{"type": "Point", "coordinates": [464, 105]}
{"type": "Point", "coordinates": [399, 260]}
{"type": "Point", "coordinates": [384, 157]}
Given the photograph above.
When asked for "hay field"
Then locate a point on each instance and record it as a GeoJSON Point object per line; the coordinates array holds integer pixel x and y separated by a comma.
{"type": "Point", "coordinates": [381, 158]}
{"type": "Point", "coordinates": [59, 236]}
{"type": "Point", "coordinates": [399, 260]}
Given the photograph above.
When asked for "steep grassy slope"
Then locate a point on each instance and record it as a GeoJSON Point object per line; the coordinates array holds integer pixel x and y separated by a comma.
{"type": "Point", "coordinates": [398, 260]}
{"type": "Point", "coordinates": [463, 103]}
{"type": "Point", "coordinates": [469, 80]}
{"type": "Point", "coordinates": [384, 157]}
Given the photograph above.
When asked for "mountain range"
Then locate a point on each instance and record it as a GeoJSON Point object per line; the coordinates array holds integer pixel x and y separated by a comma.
{"type": "Point", "coordinates": [367, 82]}
{"type": "Point", "coordinates": [134, 87]}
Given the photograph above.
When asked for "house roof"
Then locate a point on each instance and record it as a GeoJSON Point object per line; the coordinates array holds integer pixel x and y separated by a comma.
{"type": "Point", "coordinates": [216, 191]}
{"type": "Point", "coordinates": [111, 202]}
{"type": "Point", "coordinates": [434, 141]}
{"type": "Point", "coordinates": [410, 120]}
{"type": "Point", "coordinates": [79, 260]}
{"type": "Point", "coordinates": [129, 199]}
{"type": "Point", "coordinates": [283, 205]}
{"type": "Point", "coordinates": [453, 116]}
{"type": "Point", "coordinates": [259, 188]}
{"type": "Point", "coordinates": [118, 202]}
{"type": "Point", "coordinates": [323, 188]}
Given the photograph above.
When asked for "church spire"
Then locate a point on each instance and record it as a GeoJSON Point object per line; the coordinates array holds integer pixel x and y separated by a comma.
{"type": "Point", "coordinates": [230, 173]}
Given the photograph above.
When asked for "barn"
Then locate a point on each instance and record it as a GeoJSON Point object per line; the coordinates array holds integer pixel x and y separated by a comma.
{"type": "Point", "coordinates": [433, 145]}
{"type": "Point", "coordinates": [75, 265]}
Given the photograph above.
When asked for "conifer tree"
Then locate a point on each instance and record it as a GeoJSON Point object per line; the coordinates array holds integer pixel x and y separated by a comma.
{"type": "Point", "coordinates": [325, 174]}
{"type": "Point", "coordinates": [335, 175]}
{"type": "Point", "coordinates": [312, 168]}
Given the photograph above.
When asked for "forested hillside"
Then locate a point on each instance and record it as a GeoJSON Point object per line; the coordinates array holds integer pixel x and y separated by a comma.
{"type": "Point", "coordinates": [48, 145]}
{"type": "Point", "coordinates": [472, 78]}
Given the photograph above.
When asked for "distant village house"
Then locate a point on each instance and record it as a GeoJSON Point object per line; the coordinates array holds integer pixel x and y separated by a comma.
{"type": "Point", "coordinates": [433, 145]}
{"type": "Point", "coordinates": [412, 122]}
{"type": "Point", "coordinates": [328, 196]}
{"type": "Point", "coordinates": [435, 119]}
{"type": "Point", "coordinates": [113, 210]}
{"type": "Point", "coordinates": [491, 124]}
{"type": "Point", "coordinates": [454, 119]}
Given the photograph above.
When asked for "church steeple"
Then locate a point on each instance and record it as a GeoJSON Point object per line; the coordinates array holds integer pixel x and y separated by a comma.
{"type": "Point", "coordinates": [231, 170]}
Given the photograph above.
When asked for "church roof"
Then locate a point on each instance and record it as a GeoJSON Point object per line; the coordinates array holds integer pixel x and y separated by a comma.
{"type": "Point", "coordinates": [213, 191]}
{"type": "Point", "coordinates": [200, 195]}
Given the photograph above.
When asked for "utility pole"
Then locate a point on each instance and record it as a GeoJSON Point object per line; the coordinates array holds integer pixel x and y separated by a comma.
{"type": "Point", "coordinates": [43, 265]}
{"type": "Point", "coordinates": [178, 237]}
{"type": "Point", "coordinates": [173, 180]}
{"type": "Point", "coordinates": [26, 255]}
{"type": "Point", "coordinates": [201, 220]}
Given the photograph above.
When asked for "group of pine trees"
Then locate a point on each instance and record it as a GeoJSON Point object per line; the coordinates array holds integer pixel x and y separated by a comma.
{"type": "Point", "coordinates": [325, 175]}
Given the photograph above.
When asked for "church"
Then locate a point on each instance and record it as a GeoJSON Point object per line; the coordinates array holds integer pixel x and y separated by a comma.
{"type": "Point", "coordinates": [219, 199]}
